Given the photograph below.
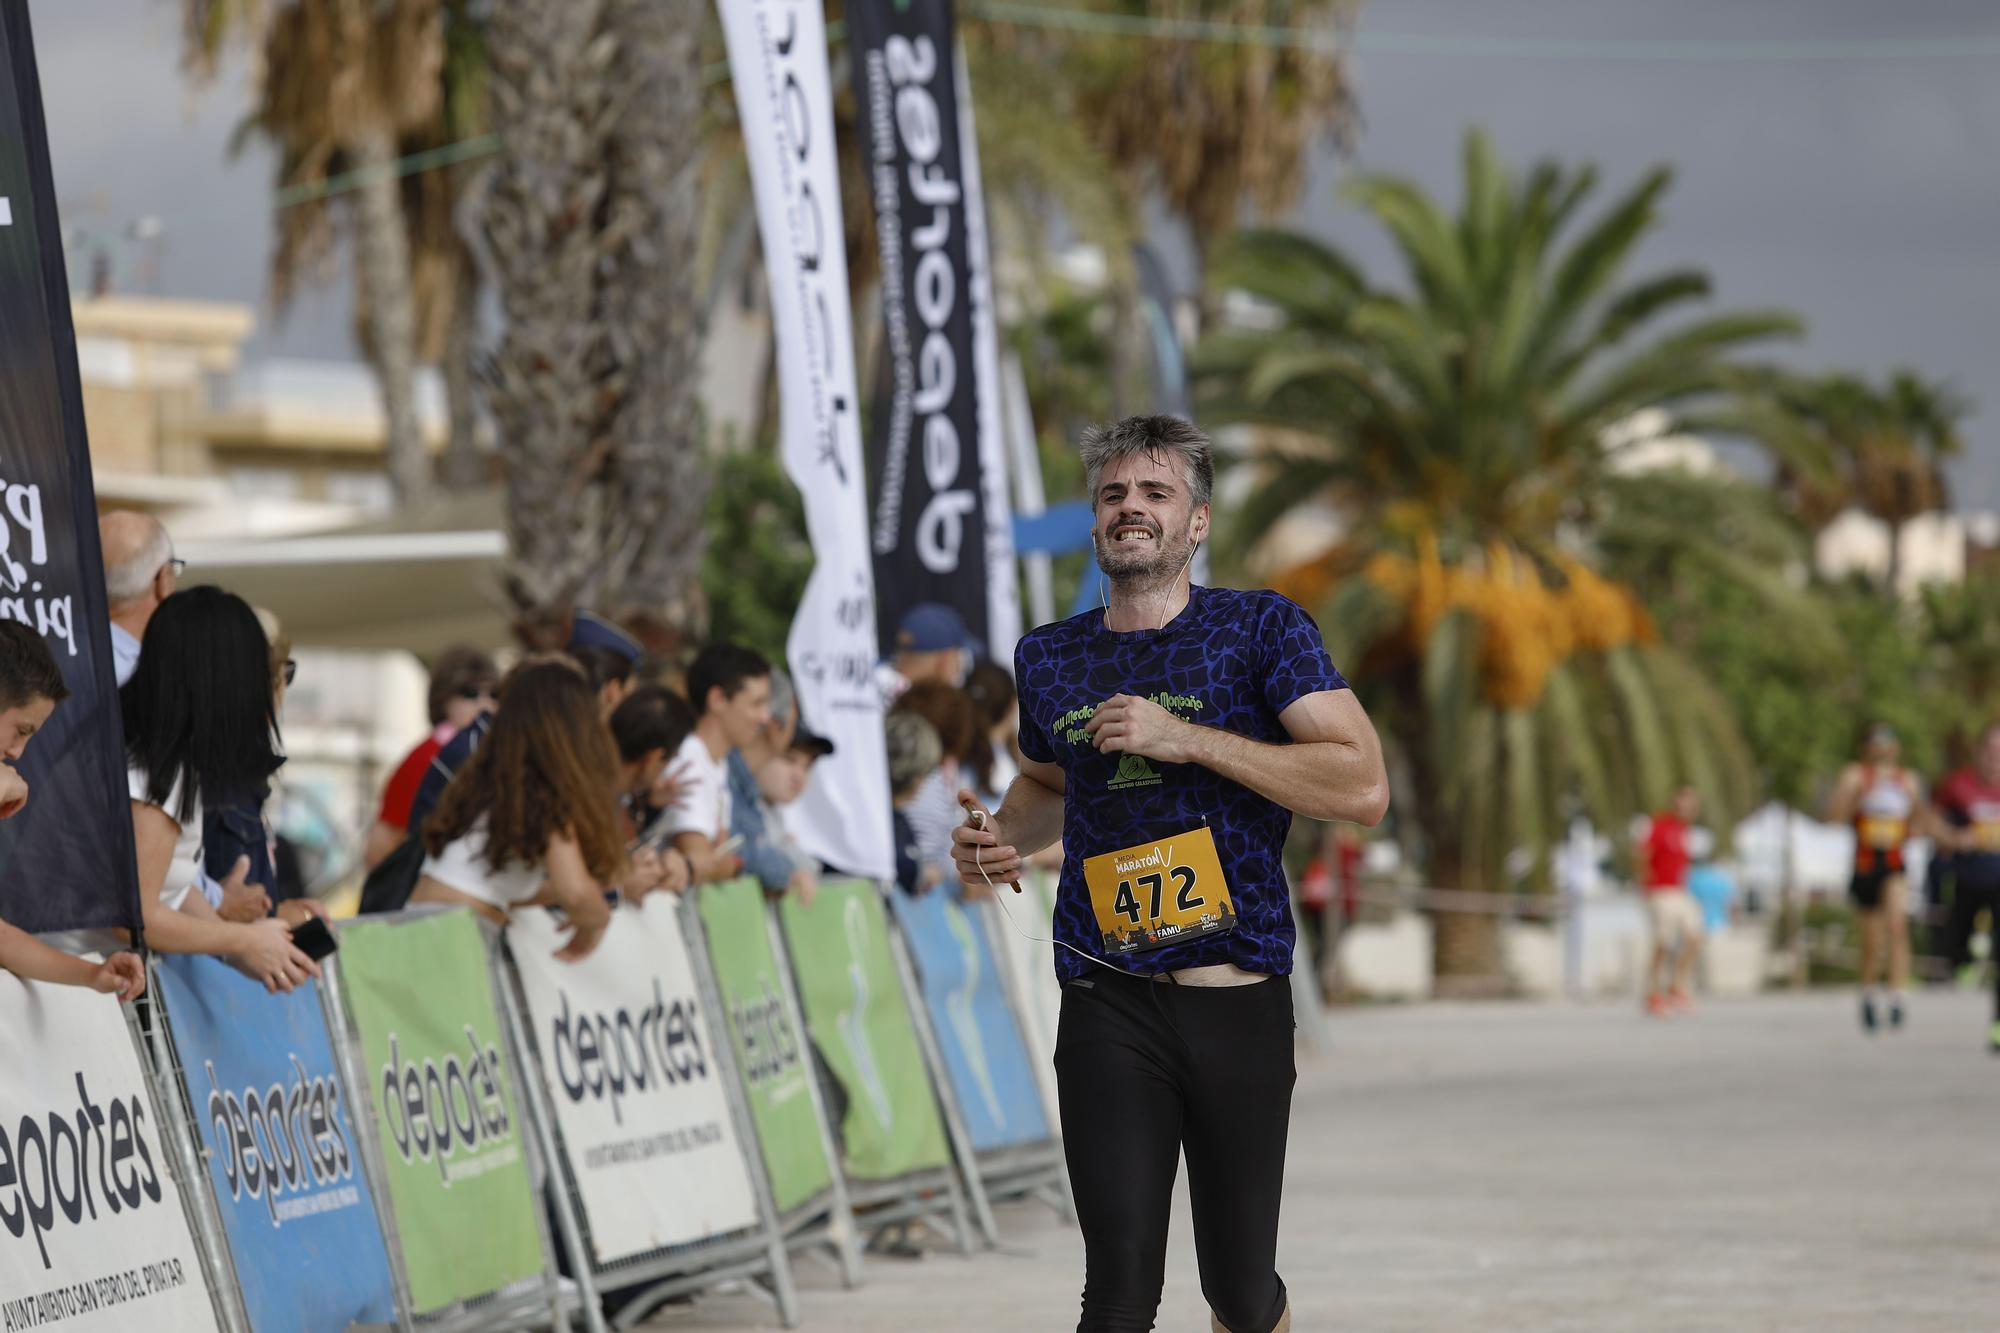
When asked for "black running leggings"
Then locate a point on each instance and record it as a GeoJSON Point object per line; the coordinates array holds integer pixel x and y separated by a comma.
{"type": "Point", "coordinates": [1148, 1071]}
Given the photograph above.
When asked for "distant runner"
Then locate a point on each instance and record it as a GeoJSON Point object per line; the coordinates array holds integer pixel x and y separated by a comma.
{"type": "Point", "coordinates": [1968, 806]}
{"type": "Point", "coordinates": [1883, 801]}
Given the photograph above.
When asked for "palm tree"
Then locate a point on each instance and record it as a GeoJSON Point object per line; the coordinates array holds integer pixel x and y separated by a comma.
{"type": "Point", "coordinates": [1888, 445]}
{"type": "Point", "coordinates": [340, 83]}
{"type": "Point", "coordinates": [589, 217]}
{"type": "Point", "coordinates": [1455, 424]}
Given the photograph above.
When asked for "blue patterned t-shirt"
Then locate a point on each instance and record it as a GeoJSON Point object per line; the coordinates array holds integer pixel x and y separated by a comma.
{"type": "Point", "coordinates": [1230, 660]}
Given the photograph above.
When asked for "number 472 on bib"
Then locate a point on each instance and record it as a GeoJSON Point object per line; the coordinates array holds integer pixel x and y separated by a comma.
{"type": "Point", "coordinates": [1158, 893]}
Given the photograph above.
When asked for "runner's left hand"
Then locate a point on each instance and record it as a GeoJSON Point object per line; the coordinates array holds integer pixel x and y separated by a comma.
{"type": "Point", "coordinates": [1127, 724]}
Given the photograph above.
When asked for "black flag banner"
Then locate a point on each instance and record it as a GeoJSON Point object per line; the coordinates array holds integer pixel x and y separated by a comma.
{"type": "Point", "coordinates": [66, 858]}
{"type": "Point", "coordinates": [939, 525]}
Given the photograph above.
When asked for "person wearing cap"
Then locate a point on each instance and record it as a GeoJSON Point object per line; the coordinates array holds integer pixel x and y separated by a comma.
{"type": "Point", "coordinates": [932, 644]}
{"type": "Point", "coordinates": [764, 774]}
{"type": "Point", "coordinates": [1883, 802]}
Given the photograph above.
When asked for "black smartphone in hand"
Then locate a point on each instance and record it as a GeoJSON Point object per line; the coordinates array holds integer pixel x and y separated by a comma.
{"type": "Point", "coordinates": [314, 939]}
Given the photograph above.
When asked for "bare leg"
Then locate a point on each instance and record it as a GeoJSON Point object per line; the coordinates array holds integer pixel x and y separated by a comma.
{"type": "Point", "coordinates": [1896, 925]}
{"type": "Point", "coordinates": [1871, 946]}
{"type": "Point", "coordinates": [1690, 954]}
{"type": "Point", "coordinates": [1656, 970]}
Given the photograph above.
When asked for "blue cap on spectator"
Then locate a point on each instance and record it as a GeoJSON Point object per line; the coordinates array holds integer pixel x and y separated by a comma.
{"type": "Point", "coordinates": [588, 631]}
{"type": "Point", "coordinates": [932, 627]}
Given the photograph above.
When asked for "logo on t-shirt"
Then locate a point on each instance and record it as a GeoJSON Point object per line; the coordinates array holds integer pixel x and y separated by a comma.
{"type": "Point", "coordinates": [1134, 771]}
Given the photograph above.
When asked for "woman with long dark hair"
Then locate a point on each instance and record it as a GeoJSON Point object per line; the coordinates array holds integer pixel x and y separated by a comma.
{"type": "Point", "coordinates": [531, 820]}
{"type": "Point", "coordinates": [201, 728]}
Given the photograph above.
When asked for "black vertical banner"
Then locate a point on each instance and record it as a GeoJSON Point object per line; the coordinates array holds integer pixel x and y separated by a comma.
{"type": "Point", "coordinates": [927, 518]}
{"type": "Point", "coordinates": [66, 859]}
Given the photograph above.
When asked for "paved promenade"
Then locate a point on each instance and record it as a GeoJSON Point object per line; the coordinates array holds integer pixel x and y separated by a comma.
{"type": "Point", "coordinates": [1759, 1166]}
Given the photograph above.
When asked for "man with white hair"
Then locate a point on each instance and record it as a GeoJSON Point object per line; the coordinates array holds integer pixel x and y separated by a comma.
{"type": "Point", "coordinates": [140, 572]}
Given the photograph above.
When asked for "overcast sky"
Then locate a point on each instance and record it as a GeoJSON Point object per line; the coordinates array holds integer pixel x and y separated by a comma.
{"type": "Point", "coordinates": [1862, 193]}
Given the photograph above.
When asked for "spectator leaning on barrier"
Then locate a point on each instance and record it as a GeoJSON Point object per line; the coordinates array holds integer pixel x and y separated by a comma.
{"type": "Point", "coordinates": [606, 654]}
{"type": "Point", "coordinates": [730, 688]}
{"type": "Point", "coordinates": [140, 572]}
{"type": "Point", "coordinates": [933, 812]}
{"type": "Point", "coordinates": [649, 729]}
{"type": "Point", "coordinates": [463, 680]}
{"type": "Point", "coordinates": [31, 685]}
{"type": "Point", "coordinates": [767, 851]}
{"type": "Point", "coordinates": [782, 779]}
{"type": "Point", "coordinates": [201, 728]}
{"type": "Point", "coordinates": [239, 859]}
{"type": "Point", "coordinates": [914, 756]}
{"type": "Point", "coordinates": [530, 819]}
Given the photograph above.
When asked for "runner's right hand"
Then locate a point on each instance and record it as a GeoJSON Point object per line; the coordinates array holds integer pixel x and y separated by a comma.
{"type": "Point", "coordinates": [980, 852]}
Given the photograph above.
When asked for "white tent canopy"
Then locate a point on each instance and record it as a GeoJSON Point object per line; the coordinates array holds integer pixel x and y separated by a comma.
{"type": "Point", "coordinates": [415, 581]}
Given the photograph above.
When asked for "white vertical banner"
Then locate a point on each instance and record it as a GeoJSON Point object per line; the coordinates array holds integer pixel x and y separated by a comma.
{"type": "Point", "coordinates": [777, 61]}
{"type": "Point", "coordinates": [1003, 583]}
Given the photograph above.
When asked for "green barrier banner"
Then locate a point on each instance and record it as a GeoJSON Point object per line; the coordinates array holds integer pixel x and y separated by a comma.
{"type": "Point", "coordinates": [421, 997]}
{"type": "Point", "coordinates": [770, 1052]}
{"type": "Point", "coordinates": [857, 1016]}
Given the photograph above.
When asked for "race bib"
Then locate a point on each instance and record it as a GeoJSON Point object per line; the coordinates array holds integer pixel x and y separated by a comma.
{"type": "Point", "coordinates": [1165, 892]}
{"type": "Point", "coordinates": [1882, 831]}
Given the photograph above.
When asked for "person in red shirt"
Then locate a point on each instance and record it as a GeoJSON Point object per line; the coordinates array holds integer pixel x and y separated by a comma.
{"type": "Point", "coordinates": [1968, 808]}
{"type": "Point", "coordinates": [1676, 917]}
{"type": "Point", "coordinates": [463, 680]}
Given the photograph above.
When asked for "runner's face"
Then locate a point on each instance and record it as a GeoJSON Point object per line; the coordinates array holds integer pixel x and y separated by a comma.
{"type": "Point", "coordinates": [1146, 524]}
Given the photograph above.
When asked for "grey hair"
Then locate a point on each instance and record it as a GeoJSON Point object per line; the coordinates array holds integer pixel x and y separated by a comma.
{"type": "Point", "coordinates": [129, 580]}
{"type": "Point", "coordinates": [1160, 436]}
{"type": "Point", "coordinates": [781, 695]}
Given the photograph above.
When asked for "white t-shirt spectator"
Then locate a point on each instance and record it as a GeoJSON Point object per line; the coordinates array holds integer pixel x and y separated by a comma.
{"type": "Point", "coordinates": [185, 867]}
{"type": "Point", "coordinates": [462, 866]}
{"type": "Point", "coordinates": [703, 806]}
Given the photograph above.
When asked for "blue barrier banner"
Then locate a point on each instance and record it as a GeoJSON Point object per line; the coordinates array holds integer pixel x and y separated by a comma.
{"type": "Point", "coordinates": [983, 1052]}
{"type": "Point", "coordinates": [281, 1147]}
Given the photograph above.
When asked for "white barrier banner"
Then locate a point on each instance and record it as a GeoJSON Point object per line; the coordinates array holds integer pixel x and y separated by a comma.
{"type": "Point", "coordinates": [95, 1234]}
{"type": "Point", "coordinates": [777, 60]}
{"type": "Point", "coordinates": [627, 1053]}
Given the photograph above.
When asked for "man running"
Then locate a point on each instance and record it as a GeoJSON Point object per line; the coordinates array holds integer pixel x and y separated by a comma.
{"type": "Point", "coordinates": [1167, 739]}
{"type": "Point", "coordinates": [1968, 805]}
{"type": "Point", "coordinates": [1676, 917]}
{"type": "Point", "coordinates": [1883, 802]}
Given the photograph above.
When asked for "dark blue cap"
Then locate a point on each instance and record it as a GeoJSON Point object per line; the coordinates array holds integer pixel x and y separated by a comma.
{"type": "Point", "coordinates": [588, 631]}
{"type": "Point", "coordinates": [931, 627]}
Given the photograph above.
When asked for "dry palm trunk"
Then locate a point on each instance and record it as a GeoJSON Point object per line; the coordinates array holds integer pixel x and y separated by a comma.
{"type": "Point", "coordinates": [382, 257]}
{"type": "Point", "coordinates": [653, 322]}
{"type": "Point", "coordinates": [539, 226]}
{"type": "Point", "coordinates": [464, 459]}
